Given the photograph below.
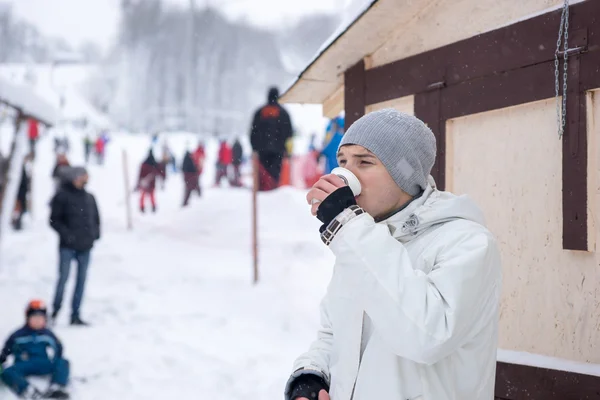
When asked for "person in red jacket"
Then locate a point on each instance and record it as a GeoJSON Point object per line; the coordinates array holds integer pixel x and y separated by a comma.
{"type": "Point", "coordinates": [100, 144]}
{"type": "Point", "coordinates": [198, 156]}
{"type": "Point", "coordinates": [33, 134]}
{"type": "Point", "coordinates": [147, 181]}
{"type": "Point", "coordinates": [223, 162]}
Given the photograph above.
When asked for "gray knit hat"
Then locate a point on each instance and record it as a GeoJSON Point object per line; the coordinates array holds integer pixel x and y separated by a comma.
{"type": "Point", "coordinates": [74, 172]}
{"type": "Point", "coordinates": [403, 143]}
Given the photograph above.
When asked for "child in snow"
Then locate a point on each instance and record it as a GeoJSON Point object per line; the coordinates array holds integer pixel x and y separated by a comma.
{"type": "Point", "coordinates": [29, 347]}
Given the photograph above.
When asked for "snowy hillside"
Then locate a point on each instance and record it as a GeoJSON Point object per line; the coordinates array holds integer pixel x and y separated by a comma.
{"type": "Point", "coordinates": [173, 309]}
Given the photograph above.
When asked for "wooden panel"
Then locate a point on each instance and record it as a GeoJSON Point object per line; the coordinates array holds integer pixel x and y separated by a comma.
{"type": "Point", "coordinates": [427, 109]}
{"type": "Point", "coordinates": [354, 93]}
{"type": "Point", "coordinates": [526, 43]}
{"type": "Point", "coordinates": [520, 382]}
{"type": "Point", "coordinates": [574, 159]}
{"type": "Point", "coordinates": [334, 104]}
{"type": "Point", "coordinates": [511, 88]}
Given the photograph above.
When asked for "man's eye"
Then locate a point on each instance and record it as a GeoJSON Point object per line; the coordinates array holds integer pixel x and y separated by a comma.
{"type": "Point", "coordinates": [342, 162]}
{"type": "Point", "coordinates": [366, 162]}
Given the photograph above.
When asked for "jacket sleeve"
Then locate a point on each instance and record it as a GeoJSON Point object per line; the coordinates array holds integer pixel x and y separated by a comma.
{"type": "Point", "coordinates": [316, 359]}
{"type": "Point", "coordinates": [422, 317]}
{"type": "Point", "coordinates": [57, 215]}
{"type": "Point", "coordinates": [96, 216]}
{"type": "Point", "coordinates": [7, 349]}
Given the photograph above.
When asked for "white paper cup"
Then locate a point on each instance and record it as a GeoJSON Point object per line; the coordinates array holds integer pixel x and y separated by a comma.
{"type": "Point", "coordinates": [350, 179]}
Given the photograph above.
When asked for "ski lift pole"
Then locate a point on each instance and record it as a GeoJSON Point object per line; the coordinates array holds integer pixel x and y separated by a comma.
{"type": "Point", "coordinates": [255, 168]}
{"type": "Point", "coordinates": [127, 191]}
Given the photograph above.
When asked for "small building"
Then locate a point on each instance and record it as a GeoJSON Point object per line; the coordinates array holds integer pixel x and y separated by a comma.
{"type": "Point", "coordinates": [481, 74]}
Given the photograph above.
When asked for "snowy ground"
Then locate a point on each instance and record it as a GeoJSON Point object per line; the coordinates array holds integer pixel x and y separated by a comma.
{"type": "Point", "coordinates": [173, 309]}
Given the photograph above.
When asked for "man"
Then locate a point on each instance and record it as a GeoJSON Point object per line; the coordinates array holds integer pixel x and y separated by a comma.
{"type": "Point", "coordinates": [271, 128]}
{"type": "Point", "coordinates": [190, 177]}
{"type": "Point", "coordinates": [75, 218]}
{"type": "Point", "coordinates": [237, 156]}
{"type": "Point", "coordinates": [412, 308]}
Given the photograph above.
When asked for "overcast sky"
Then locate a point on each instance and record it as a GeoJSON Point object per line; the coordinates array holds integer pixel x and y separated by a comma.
{"type": "Point", "coordinates": [81, 20]}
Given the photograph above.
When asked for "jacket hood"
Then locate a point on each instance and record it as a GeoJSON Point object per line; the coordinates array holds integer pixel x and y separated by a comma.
{"type": "Point", "coordinates": [432, 208]}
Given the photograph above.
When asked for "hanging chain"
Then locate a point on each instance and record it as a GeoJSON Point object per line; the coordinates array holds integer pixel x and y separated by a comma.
{"type": "Point", "coordinates": [564, 28]}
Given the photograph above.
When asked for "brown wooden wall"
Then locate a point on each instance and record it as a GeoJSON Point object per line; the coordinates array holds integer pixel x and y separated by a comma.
{"type": "Point", "coordinates": [506, 67]}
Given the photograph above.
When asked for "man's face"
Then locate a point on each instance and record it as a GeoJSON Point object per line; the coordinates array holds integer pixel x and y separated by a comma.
{"type": "Point", "coordinates": [80, 181]}
{"type": "Point", "coordinates": [380, 195]}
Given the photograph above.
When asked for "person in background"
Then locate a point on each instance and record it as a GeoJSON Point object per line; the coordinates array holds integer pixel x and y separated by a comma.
{"type": "Point", "coordinates": [311, 145]}
{"type": "Point", "coordinates": [223, 162]}
{"type": "Point", "coordinates": [199, 156]}
{"type": "Point", "coordinates": [88, 144]}
{"type": "Point", "coordinates": [149, 170]}
{"type": "Point", "coordinates": [100, 148]}
{"type": "Point", "coordinates": [22, 203]}
{"type": "Point", "coordinates": [167, 155]}
{"type": "Point", "coordinates": [33, 134]}
{"type": "Point", "coordinates": [237, 155]}
{"type": "Point", "coordinates": [271, 128]}
{"type": "Point", "coordinates": [58, 173]}
{"type": "Point", "coordinates": [190, 178]}
{"type": "Point", "coordinates": [335, 134]}
{"type": "Point", "coordinates": [75, 217]}
{"type": "Point", "coordinates": [29, 347]}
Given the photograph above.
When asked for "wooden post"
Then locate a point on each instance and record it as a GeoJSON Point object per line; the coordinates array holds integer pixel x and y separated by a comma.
{"type": "Point", "coordinates": [7, 167]}
{"type": "Point", "coordinates": [255, 169]}
{"type": "Point", "coordinates": [127, 191]}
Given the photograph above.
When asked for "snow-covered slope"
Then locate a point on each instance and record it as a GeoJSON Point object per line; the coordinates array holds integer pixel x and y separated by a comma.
{"type": "Point", "coordinates": [173, 309]}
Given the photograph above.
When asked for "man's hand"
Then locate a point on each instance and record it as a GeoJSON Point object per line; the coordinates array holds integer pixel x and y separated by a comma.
{"type": "Point", "coordinates": [326, 185]}
{"type": "Point", "coordinates": [323, 395]}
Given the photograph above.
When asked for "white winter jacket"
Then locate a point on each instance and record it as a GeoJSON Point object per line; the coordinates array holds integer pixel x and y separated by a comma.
{"type": "Point", "coordinates": [411, 311]}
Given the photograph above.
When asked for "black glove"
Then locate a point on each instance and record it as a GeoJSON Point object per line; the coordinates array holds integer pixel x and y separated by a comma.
{"type": "Point", "coordinates": [334, 204]}
{"type": "Point", "coordinates": [308, 386]}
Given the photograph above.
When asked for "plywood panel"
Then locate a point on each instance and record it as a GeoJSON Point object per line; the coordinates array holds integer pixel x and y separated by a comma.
{"type": "Point", "coordinates": [509, 161]}
{"type": "Point", "coordinates": [404, 104]}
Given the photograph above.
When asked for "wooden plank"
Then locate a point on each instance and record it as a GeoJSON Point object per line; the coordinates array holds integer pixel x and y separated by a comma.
{"type": "Point", "coordinates": [354, 93]}
{"type": "Point", "coordinates": [334, 104]}
{"type": "Point", "coordinates": [522, 44]}
{"type": "Point", "coordinates": [3, 201]}
{"type": "Point", "coordinates": [511, 88]}
{"type": "Point", "coordinates": [520, 382]}
{"type": "Point", "coordinates": [574, 161]}
{"type": "Point", "coordinates": [427, 109]}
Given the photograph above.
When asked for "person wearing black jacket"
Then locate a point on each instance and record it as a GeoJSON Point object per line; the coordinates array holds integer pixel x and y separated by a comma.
{"type": "Point", "coordinates": [237, 154]}
{"type": "Point", "coordinates": [190, 177]}
{"type": "Point", "coordinates": [271, 128]}
{"type": "Point", "coordinates": [76, 219]}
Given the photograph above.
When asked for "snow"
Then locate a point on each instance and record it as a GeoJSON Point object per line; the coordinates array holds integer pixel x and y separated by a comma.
{"type": "Point", "coordinates": [173, 308]}
{"type": "Point", "coordinates": [537, 360]}
{"type": "Point", "coordinates": [28, 101]}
